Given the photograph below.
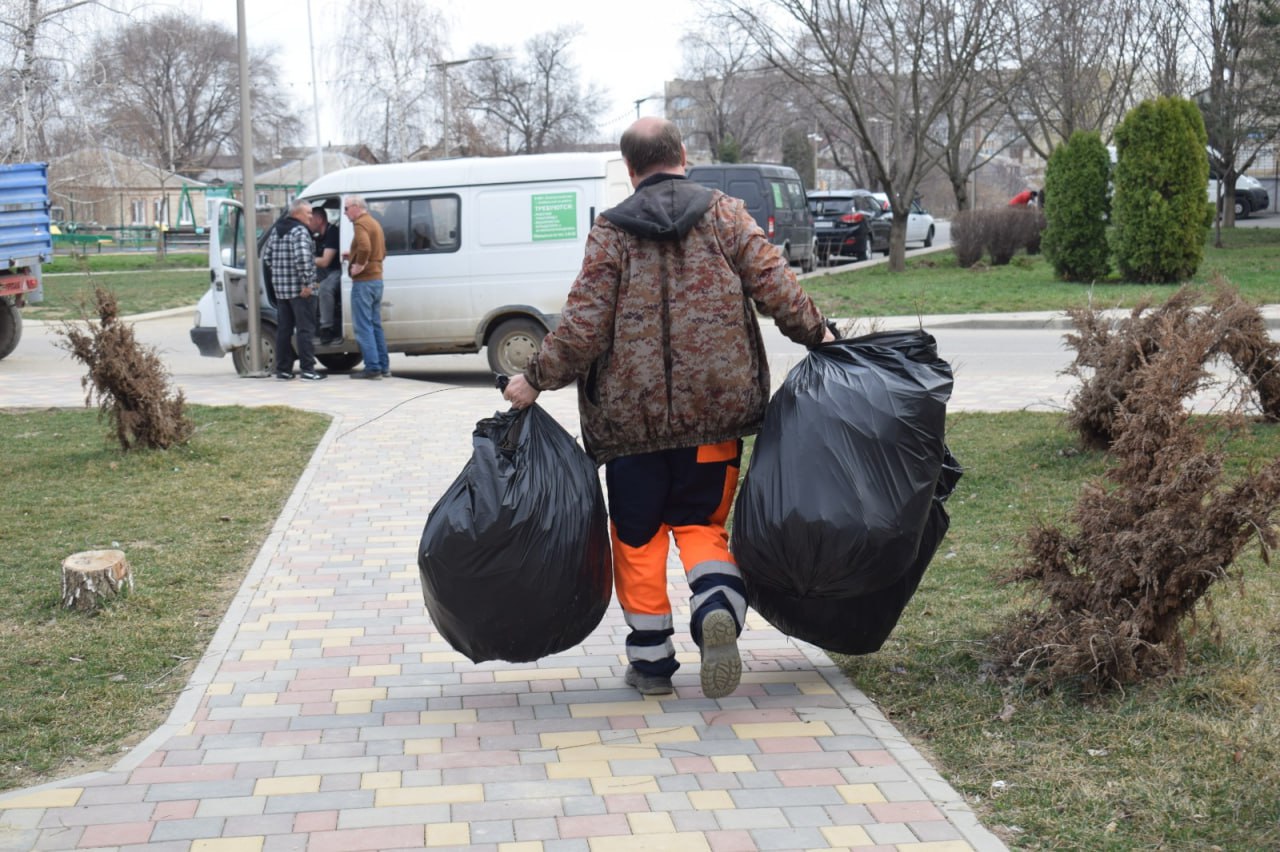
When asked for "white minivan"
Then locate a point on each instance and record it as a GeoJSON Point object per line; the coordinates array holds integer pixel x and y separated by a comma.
{"type": "Point", "coordinates": [480, 253]}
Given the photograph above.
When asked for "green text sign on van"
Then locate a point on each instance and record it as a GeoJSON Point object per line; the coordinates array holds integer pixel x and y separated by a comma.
{"type": "Point", "coordinates": [555, 216]}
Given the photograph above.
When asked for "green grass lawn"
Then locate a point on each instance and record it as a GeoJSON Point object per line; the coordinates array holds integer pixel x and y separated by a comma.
{"type": "Point", "coordinates": [1188, 763]}
{"type": "Point", "coordinates": [190, 520]}
{"type": "Point", "coordinates": [137, 292]}
{"type": "Point", "coordinates": [934, 284]}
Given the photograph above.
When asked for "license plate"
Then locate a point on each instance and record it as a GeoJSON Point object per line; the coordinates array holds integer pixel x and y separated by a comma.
{"type": "Point", "coordinates": [823, 224]}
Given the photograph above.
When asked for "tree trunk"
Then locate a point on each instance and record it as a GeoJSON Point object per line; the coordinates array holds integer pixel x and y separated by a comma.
{"type": "Point", "coordinates": [94, 576]}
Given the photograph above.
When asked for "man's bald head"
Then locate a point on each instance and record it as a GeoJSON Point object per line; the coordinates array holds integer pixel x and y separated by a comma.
{"type": "Point", "coordinates": [652, 144]}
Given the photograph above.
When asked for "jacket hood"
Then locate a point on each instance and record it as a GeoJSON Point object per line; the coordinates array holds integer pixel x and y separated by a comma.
{"type": "Point", "coordinates": [664, 207]}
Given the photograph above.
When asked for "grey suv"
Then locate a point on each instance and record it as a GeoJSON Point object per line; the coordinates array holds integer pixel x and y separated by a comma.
{"type": "Point", "coordinates": [848, 223]}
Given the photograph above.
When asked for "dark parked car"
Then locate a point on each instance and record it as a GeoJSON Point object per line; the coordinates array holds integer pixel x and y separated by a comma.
{"type": "Point", "coordinates": [848, 223]}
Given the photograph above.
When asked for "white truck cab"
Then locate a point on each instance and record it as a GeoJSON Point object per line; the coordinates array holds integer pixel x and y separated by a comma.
{"type": "Point", "coordinates": [480, 253]}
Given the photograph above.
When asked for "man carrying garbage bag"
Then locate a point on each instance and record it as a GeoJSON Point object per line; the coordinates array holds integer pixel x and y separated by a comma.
{"type": "Point", "coordinates": [660, 332]}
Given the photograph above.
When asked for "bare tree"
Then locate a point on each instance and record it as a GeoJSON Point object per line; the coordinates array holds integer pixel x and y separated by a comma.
{"type": "Point", "coordinates": [36, 65]}
{"type": "Point", "coordinates": [727, 95]}
{"type": "Point", "coordinates": [882, 75]}
{"type": "Point", "coordinates": [1079, 60]}
{"type": "Point", "coordinates": [387, 71]}
{"type": "Point", "coordinates": [168, 88]}
{"type": "Point", "coordinates": [1238, 42]}
{"type": "Point", "coordinates": [535, 104]}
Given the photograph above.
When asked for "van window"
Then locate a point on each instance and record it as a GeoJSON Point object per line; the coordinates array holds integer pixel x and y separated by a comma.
{"type": "Point", "coordinates": [419, 225]}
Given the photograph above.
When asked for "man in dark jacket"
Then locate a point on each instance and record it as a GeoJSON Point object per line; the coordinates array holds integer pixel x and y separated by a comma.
{"type": "Point", "coordinates": [660, 332]}
{"type": "Point", "coordinates": [288, 252]}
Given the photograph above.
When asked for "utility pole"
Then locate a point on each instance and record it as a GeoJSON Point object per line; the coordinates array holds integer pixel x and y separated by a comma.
{"type": "Point", "coordinates": [444, 67]}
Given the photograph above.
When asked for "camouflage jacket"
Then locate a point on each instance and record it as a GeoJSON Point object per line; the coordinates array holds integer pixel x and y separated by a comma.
{"type": "Point", "coordinates": [660, 326]}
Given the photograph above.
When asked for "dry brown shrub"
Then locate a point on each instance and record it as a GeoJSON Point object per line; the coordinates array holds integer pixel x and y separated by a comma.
{"type": "Point", "coordinates": [1110, 356]}
{"type": "Point", "coordinates": [129, 380]}
{"type": "Point", "coordinates": [1152, 537]}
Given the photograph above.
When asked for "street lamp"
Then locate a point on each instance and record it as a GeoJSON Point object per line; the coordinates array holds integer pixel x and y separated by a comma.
{"type": "Point", "coordinates": [639, 101]}
{"type": "Point", "coordinates": [444, 67]}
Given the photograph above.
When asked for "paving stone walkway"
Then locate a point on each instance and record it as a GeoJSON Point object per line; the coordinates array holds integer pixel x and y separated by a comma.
{"type": "Point", "coordinates": [328, 714]}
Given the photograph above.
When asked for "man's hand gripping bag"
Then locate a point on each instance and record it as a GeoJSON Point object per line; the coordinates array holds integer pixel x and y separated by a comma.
{"type": "Point", "coordinates": [841, 509]}
{"type": "Point", "coordinates": [515, 557]}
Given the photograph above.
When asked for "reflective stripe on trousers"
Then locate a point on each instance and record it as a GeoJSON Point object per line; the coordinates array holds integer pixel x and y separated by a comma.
{"type": "Point", "coordinates": [683, 493]}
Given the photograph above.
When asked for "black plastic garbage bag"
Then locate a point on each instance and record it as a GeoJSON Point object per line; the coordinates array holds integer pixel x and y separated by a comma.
{"type": "Point", "coordinates": [841, 510]}
{"type": "Point", "coordinates": [515, 557]}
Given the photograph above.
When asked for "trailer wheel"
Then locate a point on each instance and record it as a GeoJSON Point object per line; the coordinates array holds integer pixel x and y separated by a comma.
{"type": "Point", "coordinates": [10, 327]}
{"type": "Point", "coordinates": [267, 346]}
{"type": "Point", "coordinates": [512, 344]}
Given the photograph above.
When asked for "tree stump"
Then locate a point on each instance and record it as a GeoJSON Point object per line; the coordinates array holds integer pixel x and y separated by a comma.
{"type": "Point", "coordinates": [93, 576]}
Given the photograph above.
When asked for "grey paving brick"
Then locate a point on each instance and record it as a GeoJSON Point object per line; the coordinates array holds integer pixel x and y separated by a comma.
{"type": "Point", "coordinates": [239, 806]}
{"type": "Point", "coordinates": [934, 830]}
{"type": "Point", "coordinates": [201, 790]}
{"type": "Point", "coordinates": [889, 832]}
{"type": "Point", "coordinates": [694, 820]}
{"type": "Point", "coordinates": [188, 829]}
{"type": "Point", "coordinates": [788, 838]}
{"type": "Point", "coordinates": [749, 818]}
{"type": "Point", "coordinates": [399, 815]}
{"type": "Point", "coordinates": [787, 797]}
{"type": "Point", "coordinates": [584, 806]}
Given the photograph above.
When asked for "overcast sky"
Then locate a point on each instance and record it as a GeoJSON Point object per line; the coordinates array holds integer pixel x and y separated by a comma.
{"type": "Point", "coordinates": [630, 54]}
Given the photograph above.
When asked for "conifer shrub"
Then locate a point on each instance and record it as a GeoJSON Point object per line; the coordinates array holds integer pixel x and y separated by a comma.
{"type": "Point", "coordinates": [1159, 209]}
{"type": "Point", "coordinates": [1077, 208]}
{"type": "Point", "coordinates": [1148, 540]}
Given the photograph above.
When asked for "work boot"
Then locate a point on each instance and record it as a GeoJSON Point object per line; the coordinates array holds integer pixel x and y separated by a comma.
{"type": "Point", "coordinates": [721, 665]}
{"type": "Point", "coordinates": [648, 684]}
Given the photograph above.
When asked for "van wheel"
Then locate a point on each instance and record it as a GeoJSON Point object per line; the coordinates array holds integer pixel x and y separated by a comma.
{"type": "Point", "coordinates": [512, 344]}
{"type": "Point", "coordinates": [808, 264]}
{"type": "Point", "coordinates": [339, 362]}
{"type": "Point", "coordinates": [267, 346]}
{"type": "Point", "coordinates": [10, 327]}
{"type": "Point", "coordinates": [1242, 208]}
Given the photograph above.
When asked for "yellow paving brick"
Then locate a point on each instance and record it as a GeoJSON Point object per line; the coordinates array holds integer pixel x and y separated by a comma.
{"type": "Point", "coordinates": [614, 752]}
{"type": "Point", "coordinates": [428, 745]}
{"type": "Point", "coordinates": [187, 729]}
{"type": "Point", "coordinates": [353, 708]}
{"type": "Point", "coordinates": [449, 834]}
{"type": "Point", "coordinates": [577, 769]}
{"type": "Point", "coordinates": [287, 785]}
{"type": "Point", "coordinates": [65, 797]}
{"type": "Point", "coordinates": [273, 617]}
{"type": "Point", "coordinates": [366, 693]}
{"type": "Point", "coordinates": [442, 657]}
{"type": "Point", "coordinates": [229, 844]}
{"type": "Point", "coordinates": [860, 794]}
{"type": "Point", "coordinates": [763, 730]}
{"type": "Point", "coordinates": [613, 708]}
{"type": "Point", "coordinates": [379, 780]}
{"type": "Point", "coordinates": [274, 645]}
{"type": "Point", "coordinates": [447, 717]}
{"type": "Point", "coordinates": [732, 763]}
{"type": "Point", "coordinates": [936, 846]}
{"type": "Point", "coordinates": [710, 800]}
{"type": "Point", "coordinates": [375, 671]}
{"type": "Point", "coordinates": [569, 739]}
{"type": "Point", "coordinates": [219, 688]}
{"type": "Point", "coordinates": [606, 786]}
{"type": "Point", "coordinates": [254, 627]}
{"type": "Point", "coordinates": [405, 596]}
{"type": "Point", "coordinates": [846, 835]}
{"type": "Point", "coordinates": [266, 656]}
{"type": "Point", "coordinates": [651, 823]}
{"type": "Point", "coordinates": [259, 699]}
{"type": "Point", "coordinates": [411, 574]}
{"type": "Point", "coordinates": [684, 841]}
{"type": "Point", "coordinates": [517, 675]}
{"type": "Point", "coordinates": [816, 689]}
{"type": "Point", "coordinates": [683, 734]}
{"type": "Point", "coordinates": [324, 632]}
{"type": "Point", "coordinates": [442, 795]}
